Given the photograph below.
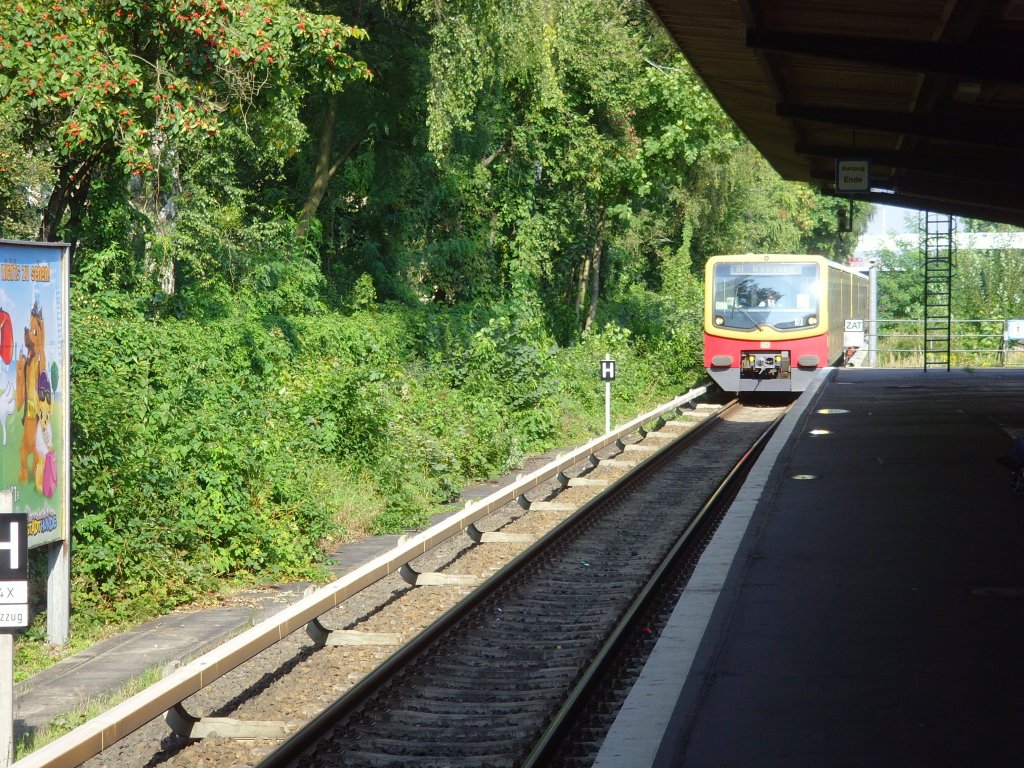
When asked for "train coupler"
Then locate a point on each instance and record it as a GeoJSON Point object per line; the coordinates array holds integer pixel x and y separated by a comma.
{"type": "Point", "coordinates": [765, 364]}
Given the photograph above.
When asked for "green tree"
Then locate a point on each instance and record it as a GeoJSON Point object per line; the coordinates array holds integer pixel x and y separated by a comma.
{"type": "Point", "coordinates": [116, 83]}
{"type": "Point", "coordinates": [744, 206]}
{"type": "Point", "coordinates": [24, 178]}
{"type": "Point", "coordinates": [989, 283]}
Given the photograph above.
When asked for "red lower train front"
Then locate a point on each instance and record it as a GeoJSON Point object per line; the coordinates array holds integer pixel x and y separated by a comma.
{"type": "Point", "coordinates": [746, 365]}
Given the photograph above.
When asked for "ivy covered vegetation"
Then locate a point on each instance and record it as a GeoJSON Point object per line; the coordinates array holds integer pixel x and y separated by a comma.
{"type": "Point", "coordinates": [335, 259]}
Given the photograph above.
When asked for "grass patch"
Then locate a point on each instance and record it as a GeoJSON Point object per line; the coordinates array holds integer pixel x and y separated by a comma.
{"type": "Point", "coordinates": [32, 654]}
{"type": "Point", "coordinates": [67, 722]}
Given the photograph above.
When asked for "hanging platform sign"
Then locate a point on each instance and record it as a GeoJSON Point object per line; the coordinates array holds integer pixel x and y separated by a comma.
{"type": "Point", "coordinates": [34, 408]}
{"type": "Point", "coordinates": [853, 175]}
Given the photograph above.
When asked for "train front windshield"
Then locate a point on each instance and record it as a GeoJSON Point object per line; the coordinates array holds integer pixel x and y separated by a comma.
{"type": "Point", "coordinates": [748, 295]}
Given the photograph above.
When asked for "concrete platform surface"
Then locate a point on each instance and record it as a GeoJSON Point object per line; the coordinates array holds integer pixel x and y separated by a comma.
{"type": "Point", "coordinates": [863, 603]}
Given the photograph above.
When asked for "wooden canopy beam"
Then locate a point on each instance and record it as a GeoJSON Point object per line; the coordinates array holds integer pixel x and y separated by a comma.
{"type": "Point", "coordinates": [968, 128]}
{"type": "Point", "coordinates": [990, 63]}
{"type": "Point", "coordinates": [1009, 170]}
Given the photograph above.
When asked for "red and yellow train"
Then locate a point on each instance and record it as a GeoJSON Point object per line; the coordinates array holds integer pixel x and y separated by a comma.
{"type": "Point", "coordinates": [772, 320]}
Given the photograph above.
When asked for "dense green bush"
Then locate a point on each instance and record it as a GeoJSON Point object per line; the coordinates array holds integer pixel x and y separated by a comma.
{"type": "Point", "coordinates": [203, 449]}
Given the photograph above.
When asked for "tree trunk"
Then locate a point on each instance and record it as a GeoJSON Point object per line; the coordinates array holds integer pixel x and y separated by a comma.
{"type": "Point", "coordinates": [325, 170]}
{"type": "Point", "coordinates": [581, 286]}
{"type": "Point", "coordinates": [69, 191]}
{"type": "Point", "coordinates": [52, 213]}
{"type": "Point", "coordinates": [595, 272]}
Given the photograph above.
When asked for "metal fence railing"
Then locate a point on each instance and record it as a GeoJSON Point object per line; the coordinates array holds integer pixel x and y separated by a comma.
{"type": "Point", "coordinates": [973, 343]}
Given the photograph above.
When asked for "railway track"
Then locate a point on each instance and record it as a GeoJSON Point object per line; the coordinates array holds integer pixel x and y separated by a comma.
{"type": "Point", "coordinates": [481, 687]}
{"type": "Point", "coordinates": [466, 699]}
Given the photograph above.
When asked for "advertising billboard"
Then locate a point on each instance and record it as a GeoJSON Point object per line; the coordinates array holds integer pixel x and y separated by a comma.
{"type": "Point", "coordinates": [34, 406]}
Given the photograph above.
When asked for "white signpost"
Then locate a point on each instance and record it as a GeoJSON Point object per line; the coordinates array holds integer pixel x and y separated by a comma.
{"type": "Point", "coordinates": [607, 376]}
{"type": "Point", "coordinates": [13, 612]}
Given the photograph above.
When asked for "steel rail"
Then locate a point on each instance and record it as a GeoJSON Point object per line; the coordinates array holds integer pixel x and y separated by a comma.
{"type": "Point", "coordinates": [563, 720]}
{"type": "Point", "coordinates": [306, 737]}
{"type": "Point", "coordinates": [92, 737]}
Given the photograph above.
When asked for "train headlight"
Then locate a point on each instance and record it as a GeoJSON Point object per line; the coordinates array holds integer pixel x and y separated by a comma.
{"type": "Point", "coordinates": [719, 320]}
{"type": "Point", "coordinates": [750, 358]}
{"type": "Point", "coordinates": [778, 358]}
{"type": "Point", "coordinates": [812, 320]}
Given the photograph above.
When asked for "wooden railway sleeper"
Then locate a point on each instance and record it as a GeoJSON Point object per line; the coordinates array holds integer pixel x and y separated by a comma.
{"type": "Point", "coordinates": [187, 726]}
{"type": "Point", "coordinates": [497, 537]}
{"type": "Point", "coordinates": [324, 636]}
{"type": "Point", "coordinates": [662, 435]}
{"type": "Point", "coordinates": [553, 506]}
{"type": "Point", "coordinates": [655, 427]}
{"type": "Point", "coordinates": [435, 579]}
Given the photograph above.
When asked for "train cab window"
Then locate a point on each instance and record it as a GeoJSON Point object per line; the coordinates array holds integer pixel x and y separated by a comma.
{"type": "Point", "coordinates": [783, 295]}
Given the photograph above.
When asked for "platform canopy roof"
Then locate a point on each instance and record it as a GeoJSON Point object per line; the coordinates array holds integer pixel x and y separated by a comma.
{"type": "Point", "coordinates": [931, 92]}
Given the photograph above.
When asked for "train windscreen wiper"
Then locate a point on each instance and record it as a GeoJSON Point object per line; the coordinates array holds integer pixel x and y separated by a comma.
{"type": "Point", "coordinates": [743, 312]}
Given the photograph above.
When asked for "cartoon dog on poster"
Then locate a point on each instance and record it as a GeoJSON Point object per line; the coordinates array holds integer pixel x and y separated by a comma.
{"type": "Point", "coordinates": [31, 363]}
